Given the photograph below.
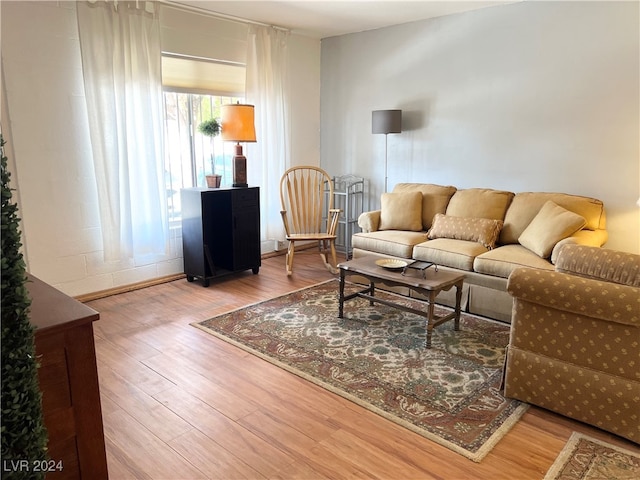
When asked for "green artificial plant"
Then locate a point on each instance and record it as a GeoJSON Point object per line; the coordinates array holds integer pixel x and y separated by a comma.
{"type": "Point", "coordinates": [24, 437]}
{"type": "Point", "coordinates": [210, 128]}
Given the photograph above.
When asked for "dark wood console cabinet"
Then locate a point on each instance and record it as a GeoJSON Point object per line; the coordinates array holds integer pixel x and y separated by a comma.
{"type": "Point", "coordinates": [68, 379]}
{"type": "Point", "coordinates": [220, 231]}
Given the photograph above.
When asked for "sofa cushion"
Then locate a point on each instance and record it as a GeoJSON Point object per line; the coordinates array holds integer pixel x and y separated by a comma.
{"type": "Point", "coordinates": [548, 227]}
{"type": "Point", "coordinates": [435, 198]}
{"type": "Point", "coordinates": [479, 203]}
{"type": "Point", "coordinates": [401, 211]}
{"type": "Point", "coordinates": [397, 243]}
{"type": "Point", "coordinates": [526, 205]}
{"type": "Point", "coordinates": [482, 230]}
{"type": "Point", "coordinates": [600, 264]}
{"type": "Point", "coordinates": [449, 252]}
{"type": "Point", "coordinates": [501, 261]}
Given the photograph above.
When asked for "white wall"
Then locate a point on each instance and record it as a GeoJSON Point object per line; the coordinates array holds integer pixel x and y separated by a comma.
{"type": "Point", "coordinates": [532, 96]}
{"type": "Point", "coordinates": [50, 140]}
{"type": "Point", "coordinates": [304, 90]}
{"type": "Point", "coordinates": [46, 125]}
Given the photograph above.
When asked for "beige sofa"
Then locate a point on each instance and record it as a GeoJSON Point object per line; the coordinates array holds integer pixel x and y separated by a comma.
{"type": "Point", "coordinates": [575, 334]}
{"type": "Point", "coordinates": [483, 232]}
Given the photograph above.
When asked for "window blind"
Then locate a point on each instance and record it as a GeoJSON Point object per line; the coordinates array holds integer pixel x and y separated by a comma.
{"type": "Point", "coordinates": [194, 75]}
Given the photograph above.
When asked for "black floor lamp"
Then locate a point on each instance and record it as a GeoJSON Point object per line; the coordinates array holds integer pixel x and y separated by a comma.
{"type": "Point", "coordinates": [386, 121]}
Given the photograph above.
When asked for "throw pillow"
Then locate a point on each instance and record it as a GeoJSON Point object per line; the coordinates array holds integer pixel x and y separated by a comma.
{"type": "Point", "coordinates": [548, 227]}
{"type": "Point", "coordinates": [401, 211]}
{"type": "Point", "coordinates": [482, 230]}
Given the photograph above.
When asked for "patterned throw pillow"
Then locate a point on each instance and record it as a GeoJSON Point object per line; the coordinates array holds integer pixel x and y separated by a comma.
{"type": "Point", "coordinates": [401, 211]}
{"type": "Point", "coordinates": [548, 227]}
{"type": "Point", "coordinates": [482, 230]}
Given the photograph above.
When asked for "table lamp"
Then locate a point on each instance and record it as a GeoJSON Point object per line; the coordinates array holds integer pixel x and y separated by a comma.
{"type": "Point", "coordinates": [238, 126]}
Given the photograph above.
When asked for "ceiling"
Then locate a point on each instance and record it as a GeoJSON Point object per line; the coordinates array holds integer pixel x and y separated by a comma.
{"type": "Point", "coordinates": [328, 18]}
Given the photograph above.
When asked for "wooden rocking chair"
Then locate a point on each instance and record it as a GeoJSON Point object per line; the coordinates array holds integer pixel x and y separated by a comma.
{"type": "Point", "coordinates": [306, 195]}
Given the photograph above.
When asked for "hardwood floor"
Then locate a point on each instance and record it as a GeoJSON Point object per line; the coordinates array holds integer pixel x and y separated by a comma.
{"type": "Point", "coordinates": [179, 403]}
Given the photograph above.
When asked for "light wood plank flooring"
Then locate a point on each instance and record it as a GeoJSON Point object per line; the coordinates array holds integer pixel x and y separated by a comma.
{"type": "Point", "coordinates": [178, 403]}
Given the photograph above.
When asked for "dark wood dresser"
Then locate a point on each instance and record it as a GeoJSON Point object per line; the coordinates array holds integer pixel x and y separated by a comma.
{"type": "Point", "coordinates": [69, 382]}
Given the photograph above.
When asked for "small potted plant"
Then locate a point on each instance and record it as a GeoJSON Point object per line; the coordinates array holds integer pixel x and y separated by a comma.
{"type": "Point", "coordinates": [211, 128]}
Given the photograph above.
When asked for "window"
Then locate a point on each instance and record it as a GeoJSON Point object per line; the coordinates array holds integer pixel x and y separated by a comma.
{"type": "Point", "coordinates": [194, 92]}
{"type": "Point", "coordinates": [190, 155]}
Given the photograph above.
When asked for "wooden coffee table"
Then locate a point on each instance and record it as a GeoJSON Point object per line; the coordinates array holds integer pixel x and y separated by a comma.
{"type": "Point", "coordinates": [434, 282]}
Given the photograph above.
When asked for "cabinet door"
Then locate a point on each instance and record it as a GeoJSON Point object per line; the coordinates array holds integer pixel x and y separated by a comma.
{"type": "Point", "coordinates": [246, 228]}
{"type": "Point", "coordinates": [217, 221]}
{"type": "Point", "coordinates": [246, 238]}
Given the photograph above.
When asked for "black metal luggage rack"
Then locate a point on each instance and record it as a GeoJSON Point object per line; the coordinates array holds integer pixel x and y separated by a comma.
{"type": "Point", "coordinates": [420, 266]}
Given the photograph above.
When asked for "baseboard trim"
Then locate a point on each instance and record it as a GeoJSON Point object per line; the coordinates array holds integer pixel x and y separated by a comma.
{"type": "Point", "coordinates": [88, 297]}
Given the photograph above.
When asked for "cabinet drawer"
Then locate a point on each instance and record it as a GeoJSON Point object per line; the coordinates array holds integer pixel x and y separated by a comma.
{"type": "Point", "coordinates": [246, 197]}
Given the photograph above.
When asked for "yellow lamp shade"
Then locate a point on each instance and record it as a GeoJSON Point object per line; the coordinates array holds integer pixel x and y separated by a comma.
{"type": "Point", "coordinates": [237, 123]}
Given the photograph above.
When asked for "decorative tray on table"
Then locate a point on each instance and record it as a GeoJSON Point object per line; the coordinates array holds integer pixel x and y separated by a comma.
{"type": "Point", "coordinates": [420, 266]}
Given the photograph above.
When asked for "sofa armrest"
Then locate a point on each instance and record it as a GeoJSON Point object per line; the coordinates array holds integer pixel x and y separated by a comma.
{"type": "Point", "coordinates": [600, 264]}
{"type": "Point", "coordinates": [369, 221]}
{"type": "Point", "coordinates": [594, 238]}
{"type": "Point", "coordinates": [571, 293]}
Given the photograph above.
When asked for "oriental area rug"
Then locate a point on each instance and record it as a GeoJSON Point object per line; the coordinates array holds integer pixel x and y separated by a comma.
{"type": "Point", "coordinates": [375, 356]}
{"type": "Point", "coordinates": [587, 458]}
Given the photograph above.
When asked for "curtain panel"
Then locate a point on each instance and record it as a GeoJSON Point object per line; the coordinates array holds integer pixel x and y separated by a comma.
{"type": "Point", "coordinates": [267, 66]}
{"type": "Point", "coordinates": [121, 63]}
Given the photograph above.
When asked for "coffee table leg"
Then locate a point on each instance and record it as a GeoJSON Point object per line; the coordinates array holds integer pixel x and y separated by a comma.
{"type": "Point", "coordinates": [341, 296]}
{"type": "Point", "coordinates": [372, 289]}
{"type": "Point", "coordinates": [430, 315]}
{"type": "Point", "coordinates": [456, 322]}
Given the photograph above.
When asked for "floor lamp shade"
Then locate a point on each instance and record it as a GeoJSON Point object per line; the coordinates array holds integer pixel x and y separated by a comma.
{"type": "Point", "coordinates": [386, 121]}
{"type": "Point", "coordinates": [237, 125]}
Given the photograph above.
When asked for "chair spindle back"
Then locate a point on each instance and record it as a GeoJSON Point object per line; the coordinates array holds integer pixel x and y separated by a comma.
{"type": "Point", "coordinates": [306, 194]}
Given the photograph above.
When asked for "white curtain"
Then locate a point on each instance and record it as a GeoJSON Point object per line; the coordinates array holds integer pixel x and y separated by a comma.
{"type": "Point", "coordinates": [121, 56]}
{"type": "Point", "coordinates": [266, 88]}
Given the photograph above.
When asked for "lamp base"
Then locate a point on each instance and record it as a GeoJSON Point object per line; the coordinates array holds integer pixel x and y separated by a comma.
{"type": "Point", "coordinates": [239, 168]}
